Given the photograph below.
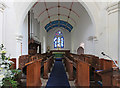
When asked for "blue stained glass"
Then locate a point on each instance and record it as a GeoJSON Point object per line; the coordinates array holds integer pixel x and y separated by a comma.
{"type": "Point", "coordinates": [55, 42]}
{"type": "Point", "coordinates": [62, 42]}
{"type": "Point", "coordinates": [58, 40]}
{"type": "Point", "coordinates": [58, 23]}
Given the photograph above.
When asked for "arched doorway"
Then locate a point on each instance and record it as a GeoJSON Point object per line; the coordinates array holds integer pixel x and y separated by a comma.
{"type": "Point", "coordinates": [80, 50]}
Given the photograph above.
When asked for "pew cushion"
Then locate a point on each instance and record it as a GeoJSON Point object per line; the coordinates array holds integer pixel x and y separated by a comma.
{"type": "Point", "coordinates": [58, 59]}
{"type": "Point", "coordinates": [98, 70]}
{"type": "Point", "coordinates": [100, 83]}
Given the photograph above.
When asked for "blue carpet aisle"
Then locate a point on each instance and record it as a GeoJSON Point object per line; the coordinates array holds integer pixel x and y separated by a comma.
{"type": "Point", "coordinates": [58, 77]}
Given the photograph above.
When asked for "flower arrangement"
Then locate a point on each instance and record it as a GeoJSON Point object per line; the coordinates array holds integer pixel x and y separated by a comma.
{"type": "Point", "coordinates": [7, 75]}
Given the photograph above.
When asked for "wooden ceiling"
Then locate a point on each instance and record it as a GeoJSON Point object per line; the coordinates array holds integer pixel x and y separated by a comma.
{"type": "Point", "coordinates": [47, 12]}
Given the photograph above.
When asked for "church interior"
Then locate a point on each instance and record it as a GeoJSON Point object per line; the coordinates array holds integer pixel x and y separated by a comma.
{"type": "Point", "coordinates": [55, 44]}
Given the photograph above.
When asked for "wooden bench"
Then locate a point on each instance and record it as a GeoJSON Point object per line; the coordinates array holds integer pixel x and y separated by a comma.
{"type": "Point", "coordinates": [104, 74]}
{"type": "Point", "coordinates": [47, 66]}
{"type": "Point", "coordinates": [69, 67]}
{"type": "Point", "coordinates": [82, 74]}
{"type": "Point", "coordinates": [101, 69]}
{"type": "Point", "coordinates": [33, 73]}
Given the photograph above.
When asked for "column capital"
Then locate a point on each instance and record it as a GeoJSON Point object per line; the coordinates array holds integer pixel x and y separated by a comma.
{"type": "Point", "coordinates": [113, 7]}
{"type": "Point", "coordinates": [2, 6]}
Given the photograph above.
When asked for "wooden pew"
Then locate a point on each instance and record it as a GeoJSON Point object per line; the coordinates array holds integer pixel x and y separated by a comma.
{"type": "Point", "coordinates": [116, 79]}
{"type": "Point", "coordinates": [105, 73]}
{"type": "Point", "coordinates": [69, 67]}
{"type": "Point", "coordinates": [31, 67]}
{"type": "Point", "coordinates": [23, 60]}
{"type": "Point", "coordinates": [82, 74]}
{"type": "Point", "coordinates": [27, 58]}
{"type": "Point", "coordinates": [105, 64]}
{"type": "Point", "coordinates": [33, 73]}
{"type": "Point", "coordinates": [76, 56]}
{"type": "Point", "coordinates": [92, 60]}
{"type": "Point", "coordinates": [104, 67]}
{"type": "Point", "coordinates": [47, 66]}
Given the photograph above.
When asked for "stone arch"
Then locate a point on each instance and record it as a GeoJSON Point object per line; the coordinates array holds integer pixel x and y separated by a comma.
{"type": "Point", "coordinates": [88, 7]}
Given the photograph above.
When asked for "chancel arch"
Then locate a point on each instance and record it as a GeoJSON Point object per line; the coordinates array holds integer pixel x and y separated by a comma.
{"type": "Point", "coordinates": [68, 44]}
{"type": "Point", "coordinates": [86, 5]}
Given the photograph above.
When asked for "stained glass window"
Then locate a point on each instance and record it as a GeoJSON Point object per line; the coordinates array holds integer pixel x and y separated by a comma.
{"type": "Point", "coordinates": [58, 40]}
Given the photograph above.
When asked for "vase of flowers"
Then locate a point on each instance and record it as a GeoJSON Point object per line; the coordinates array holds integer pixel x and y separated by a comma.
{"type": "Point", "coordinates": [7, 75]}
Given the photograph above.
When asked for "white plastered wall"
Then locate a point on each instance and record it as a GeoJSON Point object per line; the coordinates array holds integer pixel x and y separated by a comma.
{"type": "Point", "coordinates": [102, 22]}
{"type": "Point", "coordinates": [81, 33]}
{"type": "Point", "coordinates": [25, 37]}
{"type": "Point", "coordinates": [43, 39]}
{"type": "Point", "coordinates": [113, 29]}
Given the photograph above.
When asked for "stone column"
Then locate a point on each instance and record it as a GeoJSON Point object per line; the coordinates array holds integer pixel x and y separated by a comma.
{"type": "Point", "coordinates": [119, 32]}
{"type": "Point", "coordinates": [2, 8]}
{"type": "Point", "coordinates": [113, 31]}
{"type": "Point", "coordinates": [18, 48]}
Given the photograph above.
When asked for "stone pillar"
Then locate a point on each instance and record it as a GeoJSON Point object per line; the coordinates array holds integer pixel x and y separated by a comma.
{"type": "Point", "coordinates": [18, 48]}
{"type": "Point", "coordinates": [2, 7]}
{"type": "Point", "coordinates": [119, 32]}
{"type": "Point", "coordinates": [113, 31]}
